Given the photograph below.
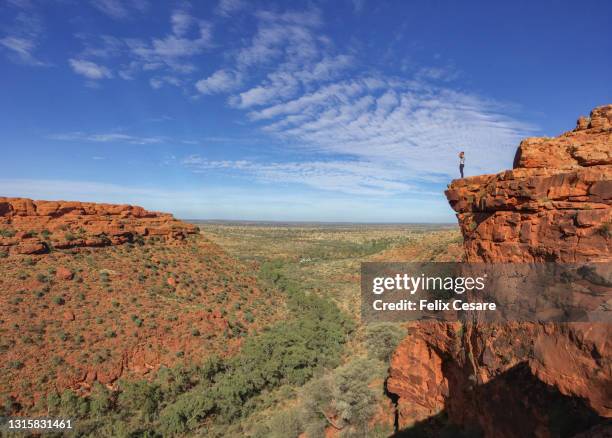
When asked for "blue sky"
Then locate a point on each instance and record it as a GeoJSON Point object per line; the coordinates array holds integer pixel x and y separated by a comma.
{"type": "Point", "coordinates": [321, 110]}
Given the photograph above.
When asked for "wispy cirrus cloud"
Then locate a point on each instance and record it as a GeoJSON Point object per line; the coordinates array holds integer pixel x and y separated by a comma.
{"type": "Point", "coordinates": [289, 40]}
{"type": "Point", "coordinates": [287, 81]}
{"type": "Point", "coordinates": [221, 81]}
{"type": "Point", "coordinates": [364, 130]}
{"type": "Point", "coordinates": [122, 138]}
{"type": "Point", "coordinates": [90, 69]}
{"type": "Point", "coordinates": [351, 177]}
{"type": "Point", "coordinates": [166, 60]}
{"type": "Point", "coordinates": [23, 36]}
{"type": "Point", "coordinates": [405, 124]}
{"type": "Point", "coordinates": [112, 137]}
{"type": "Point", "coordinates": [280, 35]}
{"type": "Point", "coordinates": [229, 7]}
{"type": "Point", "coordinates": [189, 36]}
{"type": "Point", "coordinates": [120, 9]}
{"type": "Point", "coordinates": [391, 132]}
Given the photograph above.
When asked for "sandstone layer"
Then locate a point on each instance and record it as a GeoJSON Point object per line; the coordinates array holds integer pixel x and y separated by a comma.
{"type": "Point", "coordinates": [34, 227]}
{"type": "Point", "coordinates": [522, 379]}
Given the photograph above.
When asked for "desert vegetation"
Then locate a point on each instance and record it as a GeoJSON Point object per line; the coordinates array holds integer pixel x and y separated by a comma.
{"type": "Point", "coordinates": [158, 339]}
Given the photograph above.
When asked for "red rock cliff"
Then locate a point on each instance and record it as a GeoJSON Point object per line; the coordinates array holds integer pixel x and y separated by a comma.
{"type": "Point", "coordinates": [553, 206]}
{"type": "Point", "coordinates": [522, 379]}
{"type": "Point", "coordinates": [31, 227]}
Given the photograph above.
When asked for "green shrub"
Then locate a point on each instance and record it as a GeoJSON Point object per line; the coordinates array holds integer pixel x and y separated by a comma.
{"type": "Point", "coordinates": [219, 392]}
{"type": "Point", "coordinates": [53, 403]}
{"type": "Point", "coordinates": [141, 398]}
{"type": "Point", "coordinates": [72, 405]}
{"type": "Point", "coordinates": [382, 339]}
{"type": "Point", "coordinates": [15, 364]}
{"type": "Point", "coordinates": [288, 353]}
{"type": "Point", "coordinates": [344, 394]}
{"type": "Point", "coordinates": [286, 424]}
{"type": "Point", "coordinates": [100, 400]}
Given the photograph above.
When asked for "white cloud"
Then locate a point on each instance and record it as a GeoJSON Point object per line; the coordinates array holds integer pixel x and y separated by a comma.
{"type": "Point", "coordinates": [189, 37]}
{"type": "Point", "coordinates": [416, 127]}
{"type": "Point", "coordinates": [352, 177]}
{"type": "Point", "coordinates": [23, 37]}
{"type": "Point", "coordinates": [392, 133]}
{"type": "Point", "coordinates": [291, 40]}
{"type": "Point", "coordinates": [181, 22]}
{"type": "Point", "coordinates": [228, 7]}
{"type": "Point", "coordinates": [112, 8]}
{"type": "Point", "coordinates": [158, 82]}
{"type": "Point", "coordinates": [221, 81]}
{"type": "Point", "coordinates": [288, 34]}
{"type": "Point", "coordinates": [370, 132]}
{"type": "Point", "coordinates": [21, 46]}
{"type": "Point", "coordinates": [112, 137]}
{"type": "Point", "coordinates": [289, 79]}
{"type": "Point", "coordinates": [120, 9]}
{"type": "Point", "coordinates": [90, 69]}
{"type": "Point", "coordinates": [167, 57]}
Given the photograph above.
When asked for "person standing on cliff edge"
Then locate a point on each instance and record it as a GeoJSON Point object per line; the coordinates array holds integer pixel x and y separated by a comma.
{"type": "Point", "coordinates": [461, 162]}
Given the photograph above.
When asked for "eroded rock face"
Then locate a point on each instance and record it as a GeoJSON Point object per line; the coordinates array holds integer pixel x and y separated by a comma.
{"type": "Point", "coordinates": [31, 227]}
{"type": "Point", "coordinates": [555, 205]}
{"type": "Point", "coordinates": [522, 379]}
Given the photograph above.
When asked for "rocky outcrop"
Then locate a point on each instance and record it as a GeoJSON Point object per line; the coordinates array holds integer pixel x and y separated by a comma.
{"type": "Point", "coordinates": [522, 379]}
{"type": "Point", "coordinates": [555, 205]}
{"type": "Point", "coordinates": [33, 227]}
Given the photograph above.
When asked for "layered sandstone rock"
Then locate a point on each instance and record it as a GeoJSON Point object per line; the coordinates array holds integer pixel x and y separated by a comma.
{"type": "Point", "coordinates": [555, 205]}
{"type": "Point", "coordinates": [522, 379]}
{"type": "Point", "coordinates": [32, 227]}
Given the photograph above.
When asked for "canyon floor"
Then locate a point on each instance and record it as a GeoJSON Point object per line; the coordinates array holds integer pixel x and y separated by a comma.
{"type": "Point", "coordinates": [325, 259]}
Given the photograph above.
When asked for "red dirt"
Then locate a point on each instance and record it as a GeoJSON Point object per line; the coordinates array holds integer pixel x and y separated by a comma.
{"type": "Point", "coordinates": [76, 316]}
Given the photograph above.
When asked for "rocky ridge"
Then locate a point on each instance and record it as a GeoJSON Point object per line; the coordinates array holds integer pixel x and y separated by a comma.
{"type": "Point", "coordinates": [34, 227]}
{"type": "Point", "coordinates": [112, 293]}
{"type": "Point", "coordinates": [522, 379]}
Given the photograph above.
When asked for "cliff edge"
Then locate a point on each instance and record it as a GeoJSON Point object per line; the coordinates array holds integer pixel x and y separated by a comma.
{"type": "Point", "coordinates": [521, 379]}
{"type": "Point", "coordinates": [554, 205]}
{"type": "Point", "coordinates": [34, 227]}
